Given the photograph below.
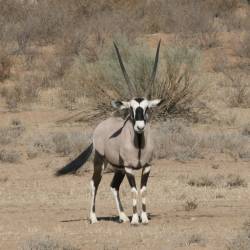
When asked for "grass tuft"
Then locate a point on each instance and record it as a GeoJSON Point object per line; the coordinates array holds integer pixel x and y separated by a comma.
{"type": "Point", "coordinates": [234, 181]}
{"type": "Point", "coordinates": [9, 156]}
{"type": "Point", "coordinates": [46, 243]}
{"type": "Point", "coordinates": [202, 181]}
{"type": "Point", "coordinates": [190, 205]}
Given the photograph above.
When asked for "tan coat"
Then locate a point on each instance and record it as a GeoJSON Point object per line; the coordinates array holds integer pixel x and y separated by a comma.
{"type": "Point", "coordinates": [117, 141]}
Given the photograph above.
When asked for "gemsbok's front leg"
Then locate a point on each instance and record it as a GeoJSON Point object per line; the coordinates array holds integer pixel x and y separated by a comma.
{"type": "Point", "coordinates": [144, 180]}
{"type": "Point", "coordinates": [131, 180]}
{"type": "Point", "coordinates": [115, 185]}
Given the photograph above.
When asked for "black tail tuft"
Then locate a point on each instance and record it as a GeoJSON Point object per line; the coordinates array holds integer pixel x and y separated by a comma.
{"type": "Point", "coordinates": [77, 163]}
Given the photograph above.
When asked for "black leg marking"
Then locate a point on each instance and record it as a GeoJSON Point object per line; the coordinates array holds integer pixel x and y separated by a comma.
{"type": "Point", "coordinates": [117, 180]}
{"type": "Point", "coordinates": [144, 180]}
{"type": "Point", "coordinates": [132, 183]}
{"type": "Point", "coordinates": [96, 179]}
{"type": "Point", "coordinates": [115, 185]}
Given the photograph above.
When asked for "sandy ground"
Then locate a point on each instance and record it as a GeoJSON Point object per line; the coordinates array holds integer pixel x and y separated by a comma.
{"type": "Point", "coordinates": [34, 203]}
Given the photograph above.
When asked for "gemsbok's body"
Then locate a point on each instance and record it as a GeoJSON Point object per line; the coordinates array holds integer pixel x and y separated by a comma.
{"type": "Point", "coordinates": [126, 145]}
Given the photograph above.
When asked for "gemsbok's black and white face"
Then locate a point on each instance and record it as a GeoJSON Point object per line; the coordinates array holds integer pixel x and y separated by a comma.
{"type": "Point", "coordinates": [139, 108]}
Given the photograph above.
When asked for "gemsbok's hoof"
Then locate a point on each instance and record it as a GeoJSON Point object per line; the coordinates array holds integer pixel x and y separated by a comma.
{"type": "Point", "coordinates": [135, 220]}
{"type": "Point", "coordinates": [123, 218]}
{"type": "Point", "coordinates": [144, 218]}
{"type": "Point", "coordinates": [93, 219]}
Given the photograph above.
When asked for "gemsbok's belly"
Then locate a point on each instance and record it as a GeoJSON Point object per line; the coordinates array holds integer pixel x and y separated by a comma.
{"type": "Point", "coordinates": [136, 159]}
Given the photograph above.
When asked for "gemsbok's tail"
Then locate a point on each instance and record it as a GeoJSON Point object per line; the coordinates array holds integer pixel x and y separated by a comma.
{"type": "Point", "coordinates": [77, 163]}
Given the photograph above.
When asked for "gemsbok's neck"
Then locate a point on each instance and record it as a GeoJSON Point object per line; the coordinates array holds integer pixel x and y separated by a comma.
{"type": "Point", "coordinates": [139, 140]}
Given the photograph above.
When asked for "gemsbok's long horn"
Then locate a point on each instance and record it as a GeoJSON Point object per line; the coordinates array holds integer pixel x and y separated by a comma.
{"type": "Point", "coordinates": [152, 78]}
{"type": "Point", "coordinates": [125, 74]}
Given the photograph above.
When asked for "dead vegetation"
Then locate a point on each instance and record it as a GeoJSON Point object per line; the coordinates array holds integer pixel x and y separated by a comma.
{"type": "Point", "coordinates": [235, 181]}
{"type": "Point", "coordinates": [9, 156]}
{"type": "Point", "coordinates": [202, 181]}
{"type": "Point", "coordinates": [246, 130]}
{"type": "Point", "coordinates": [239, 89]}
{"type": "Point", "coordinates": [243, 49]}
{"type": "Point", "coordinates": [11, 133]}
{"type": "Point", "coordinates": [5, 64]}
{"type": "Point", "coordinates": [231, 181]}
{"type": "Point", "coordinates": [242, 240]}
{"type": "Point", "coordinates": [176, 139]}
{"type": "Point", "coordinates": [60, 143]}
{"type": "Point", "coordinates": [192, 240]}
{"type": "Point", "coordinates": [81, 61]}
{"type": "Point", "coordinates": [46, 243]}
{"type": "Point", "coordinates": [190, 205]}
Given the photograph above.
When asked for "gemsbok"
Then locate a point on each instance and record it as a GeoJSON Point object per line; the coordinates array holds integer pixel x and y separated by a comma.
{"type": "Point", "coordinates": [126, 145]}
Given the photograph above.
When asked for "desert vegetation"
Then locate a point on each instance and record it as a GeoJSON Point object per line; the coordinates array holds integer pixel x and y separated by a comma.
{"type": "Point", "coordinates": [58, 74]}
{"type": "Point", "coordinates": [231, 181]}
{"type": "Point", "coordinates": [241, 241]}
{"type": "Point", "coordinates": [46, 243]}
{"type": "Point", "coordinates": [77, 60]}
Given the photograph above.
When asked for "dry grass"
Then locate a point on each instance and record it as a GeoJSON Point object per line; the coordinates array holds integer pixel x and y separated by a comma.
{"type": "Point", "coordinates": [11, 95]}
{"type": "Point", "coordinates": [60, 143]}
{"type": "Point", "coordinates": [196, 239]}
{"type": "Point", "coordinates": [246, 130]}
{"type": "Point", "coordinates": [190, 205]}
{"type": "Point", "coordinates": [80, 62]}
{"type": "Point", "coordinates": [202, 181]}
{"type": "Point", "coordinates": [233, 143]}
{"type": "Point", "coordinates": [242, 240]}
{"type": "Point", "coordinates": [243, 49]}
{"type": "Point", "coordinates": [176, 139]}
{"type": "Point", "coordinates": [234, 180]}
{"type": "Point", "coordinates": [25, 91]}
{"type": "Point", "coordinates": [11, 156]}
{"type": "Point", "coordinates": [231, 181]}
{"type": "Point", "coordinates": [46, 243]}
{"type": "Point", "coordinates": [5, 64]}
{"type": "Point", "coordinates": [192, 240]}
{"type": "Point", "coordinates": [110, 247]}
{"type": "Point", "coordinates": [11, 133]}
{"type": "Point", "coordinates": [239, 87]}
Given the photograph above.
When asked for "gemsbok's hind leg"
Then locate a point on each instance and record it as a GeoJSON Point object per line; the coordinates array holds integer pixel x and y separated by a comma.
{"type": "Point", "coordinates": [97, 176]}
{"type": "Point", "coordinates": [131, 180]}
{"type": "Point", "coordinates": [115, 185]}
{"type": "Point", "coordinates": [144, 180]}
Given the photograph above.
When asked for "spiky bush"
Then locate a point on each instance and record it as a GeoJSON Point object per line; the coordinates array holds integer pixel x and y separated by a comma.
{"type": "Point", "coordinates": [177, 84]}
{"type": "Point", "coordinates": [174, 80]}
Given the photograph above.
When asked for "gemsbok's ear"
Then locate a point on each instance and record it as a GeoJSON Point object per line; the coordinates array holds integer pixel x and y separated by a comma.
{"type": "Point", "coordinates": [120, 105]}
{"type": "Point", "coordinates": [155, 103]}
